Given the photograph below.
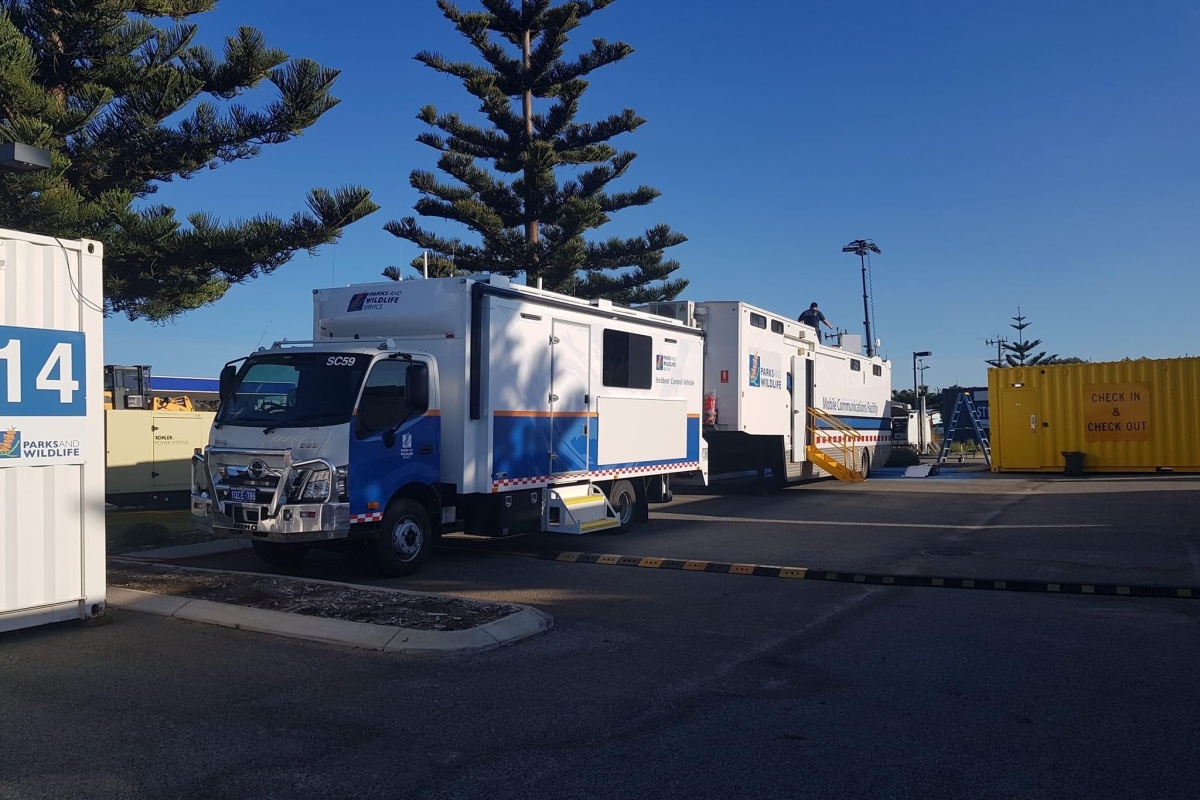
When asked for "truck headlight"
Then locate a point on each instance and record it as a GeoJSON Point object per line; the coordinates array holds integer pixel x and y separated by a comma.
{"type": "Point", "coordinates": [200, 482]}
{"type": "Point", "coordinates": [311, 484]}
{"type": "Point", "coordinates": [317, 486]}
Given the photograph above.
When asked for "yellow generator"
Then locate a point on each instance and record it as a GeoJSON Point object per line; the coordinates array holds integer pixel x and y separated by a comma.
{"type": "Point", "coordinates": [150, 455]}
{"type": "Point", "coordinates": [150, 436]}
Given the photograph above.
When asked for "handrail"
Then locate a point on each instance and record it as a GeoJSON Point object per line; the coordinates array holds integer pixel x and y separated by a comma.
{"type": "Point", "coordinates": [849, 438]}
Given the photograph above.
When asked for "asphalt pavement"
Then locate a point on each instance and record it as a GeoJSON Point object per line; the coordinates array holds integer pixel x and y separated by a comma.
{"type": "Point", "coordinates": [679, 683]}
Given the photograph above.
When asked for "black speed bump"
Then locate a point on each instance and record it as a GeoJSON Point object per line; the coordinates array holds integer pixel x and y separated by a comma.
{"type": "Point", "coordinates": [873, 579]}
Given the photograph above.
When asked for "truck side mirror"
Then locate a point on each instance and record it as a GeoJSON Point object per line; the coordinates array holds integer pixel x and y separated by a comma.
{"type": "Point", "coordinates": [416, 380]}
{"type": "Point", "coordinates": [225, 383]}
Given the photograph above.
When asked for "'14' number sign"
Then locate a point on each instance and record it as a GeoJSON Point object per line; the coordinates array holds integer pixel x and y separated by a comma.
{"type": "Point", "coordinates": [42, 372]}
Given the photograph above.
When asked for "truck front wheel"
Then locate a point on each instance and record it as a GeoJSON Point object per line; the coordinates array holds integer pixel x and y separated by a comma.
{"type": "Point", "coordinates": [404, 538]}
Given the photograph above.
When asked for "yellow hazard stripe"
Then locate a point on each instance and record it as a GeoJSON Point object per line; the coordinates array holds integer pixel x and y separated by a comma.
{"type": "Point", "coordinates": [871, 579]}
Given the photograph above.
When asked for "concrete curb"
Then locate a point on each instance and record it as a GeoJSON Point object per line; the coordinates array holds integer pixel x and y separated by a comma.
{"type": "Point", "coordinates": [388, 638]}
{"type": "Point", "coordinates": [214, 547]}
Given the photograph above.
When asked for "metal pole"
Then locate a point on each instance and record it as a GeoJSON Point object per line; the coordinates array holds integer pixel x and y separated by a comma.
{"type": "Point", "coordinates": [860, 247]}
{"type": "Point", "coordinates": [862, 257]}
{"type": "Point", "coordinates": [920, 427]}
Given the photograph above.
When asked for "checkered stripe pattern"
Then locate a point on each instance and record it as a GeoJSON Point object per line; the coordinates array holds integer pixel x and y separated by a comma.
{"type": "Point", "coordinates": [542, 480]}
{"type": "Point", "coordinates": [370, 516]}
{"type": "Point", "coordinates": [861, 438]}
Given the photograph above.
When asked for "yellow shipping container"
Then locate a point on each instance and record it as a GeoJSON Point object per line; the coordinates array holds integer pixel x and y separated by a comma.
{"type": "Point", "coordinates": [1124, 416]}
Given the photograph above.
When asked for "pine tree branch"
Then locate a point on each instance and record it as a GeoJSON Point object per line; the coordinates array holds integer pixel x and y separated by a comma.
{"type": "Point", "coordinates": [94, 81]}
{"type": "Point", "coordinates": [503, 183]}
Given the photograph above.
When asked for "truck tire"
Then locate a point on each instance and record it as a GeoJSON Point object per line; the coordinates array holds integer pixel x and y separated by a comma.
{"type": "Point", "coordinates": [280, 555]}
{"type": "Point", "coordinates": [866, 464]}
{"type": "Point", "coordinates": [404, 538]}
{"type": "Point", "coordinates": [623, 498]}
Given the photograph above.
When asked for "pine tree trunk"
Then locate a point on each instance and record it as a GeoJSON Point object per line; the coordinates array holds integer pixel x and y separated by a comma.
{"type": "Point", "coordinates": [531, 226]}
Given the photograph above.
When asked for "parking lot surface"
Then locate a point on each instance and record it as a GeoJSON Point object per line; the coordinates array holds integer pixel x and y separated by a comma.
{"type": "Point", "coordinates": [680, 683]}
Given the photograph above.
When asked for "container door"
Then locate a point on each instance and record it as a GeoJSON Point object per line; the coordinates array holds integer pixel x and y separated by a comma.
{"type": "Point", "coordinates": [173, 446]}
{"type": "Point", "coordinates": [570, 401]}
{"type": "Point", "coordinates": [1018, 430]}
{"type": "Point", "coordinates": [798, 388]}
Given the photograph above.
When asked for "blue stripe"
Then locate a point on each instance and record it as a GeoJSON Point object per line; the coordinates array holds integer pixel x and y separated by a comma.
{"type": "Point", "coordinates": [521, 446]}
{"type": "Point", "coordinates": [167, 384]}
{"type": "Point", "coordinates": [859, 423]}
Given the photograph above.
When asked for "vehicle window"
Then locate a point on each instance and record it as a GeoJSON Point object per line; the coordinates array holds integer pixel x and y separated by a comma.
{"type": "Point", "coordinates": [383, 404]}
{"type": "Point", "coordinates": [855, 365]}
{"type": "Point", "coordinates": [628, 360]}
{"type": "Point", "coordinates": [776, 326]}
{"type": "Point", "coordinates": [876, 370]}
{"type": "Point", "coordinates": [758, 321]}
{"type": "Point", "coordinates": [294, 390]}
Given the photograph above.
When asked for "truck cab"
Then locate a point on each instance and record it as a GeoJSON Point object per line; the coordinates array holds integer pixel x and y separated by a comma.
{"type": "Point", "coordinates": [292, 421]}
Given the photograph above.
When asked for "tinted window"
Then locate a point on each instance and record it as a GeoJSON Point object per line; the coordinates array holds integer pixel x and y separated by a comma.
{"type": "Point", "coordinates": [758, 321]}
{"type": "Point", "coordinates": [628, 360]}
{"type": "Point", "coordinates": [776, 326]}
{"type": "Point", "coordinates": [383, 403]}
{"type": "Point", "coordinates": [876, 370]}
{"type": "Point", "coordinates": [855, 365]}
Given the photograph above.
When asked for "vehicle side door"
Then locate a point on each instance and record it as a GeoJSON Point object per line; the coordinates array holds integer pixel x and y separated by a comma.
{"type": "Point", "coordinates": [394, 439]}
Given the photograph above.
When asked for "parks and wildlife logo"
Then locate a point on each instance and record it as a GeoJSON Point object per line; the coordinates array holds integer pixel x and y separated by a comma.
{"type": "Point", "coordinates": [374, 301]}
{"type": "Point", "coordinates": [10, 443]}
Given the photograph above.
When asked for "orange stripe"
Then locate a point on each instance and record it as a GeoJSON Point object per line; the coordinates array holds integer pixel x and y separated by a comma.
{"type": "Point", "coordinates": [433, 412]}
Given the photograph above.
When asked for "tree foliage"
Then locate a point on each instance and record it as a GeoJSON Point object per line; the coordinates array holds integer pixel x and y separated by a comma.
{"type": "Point", "coordinates": [504, 175]}
{"type": "Point", "coordinates": [933, 399]}
{"type": "Point", "coordinates": [1020, 353]}
{"type": "Point", "coordinates": [125, 101]}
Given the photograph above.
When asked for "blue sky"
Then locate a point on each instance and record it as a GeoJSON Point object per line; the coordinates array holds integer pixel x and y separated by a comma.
{"type": "Point", "coordinates": [1032, 154]}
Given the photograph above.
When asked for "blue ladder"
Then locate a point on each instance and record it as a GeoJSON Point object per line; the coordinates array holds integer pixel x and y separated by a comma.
{"type": "Point", "coordinates": [961, 404]}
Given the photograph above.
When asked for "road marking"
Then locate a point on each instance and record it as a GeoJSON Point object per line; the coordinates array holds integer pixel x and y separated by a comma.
{"type": "Point", "coordinates": [667, 515]}
{"type": "Point", "coordinates": [806, 573]}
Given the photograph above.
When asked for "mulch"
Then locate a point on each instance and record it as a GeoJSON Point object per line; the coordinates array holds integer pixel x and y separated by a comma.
{"type": "Point", "coordinates": [421, 612]}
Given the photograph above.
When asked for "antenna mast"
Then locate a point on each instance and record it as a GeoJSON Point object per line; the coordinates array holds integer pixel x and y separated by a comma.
{"type": "Point", "coordinates": [860, 248]}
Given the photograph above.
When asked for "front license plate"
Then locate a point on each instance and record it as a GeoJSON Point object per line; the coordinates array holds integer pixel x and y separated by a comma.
{"type": "Point", "coordinates": [243, 495]}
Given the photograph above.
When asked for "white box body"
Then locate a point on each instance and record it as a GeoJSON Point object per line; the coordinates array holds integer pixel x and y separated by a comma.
{"type": "Point", "coordinates": [762, 371]}
{"type": "Point", "coordinates": [52, 538]}
{"type": "Point", "coordinates": [525, 397]}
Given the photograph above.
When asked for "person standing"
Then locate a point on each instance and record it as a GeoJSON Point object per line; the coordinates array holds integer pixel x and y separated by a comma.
{"type": "Point", "coordinates": [813, 316]}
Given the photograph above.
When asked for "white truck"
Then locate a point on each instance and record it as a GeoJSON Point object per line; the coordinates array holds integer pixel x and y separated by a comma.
{"type": "Point", "coordinates": [467, 404]}
{"type": "Point", "coordinates": [776, 399]}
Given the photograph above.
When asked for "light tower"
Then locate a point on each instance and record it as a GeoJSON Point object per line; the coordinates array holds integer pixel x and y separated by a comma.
{"type": "Point", "coordinates": [860, 247]}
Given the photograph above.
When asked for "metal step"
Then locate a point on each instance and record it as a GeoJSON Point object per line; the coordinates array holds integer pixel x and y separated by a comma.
{"type": "Point", "coordinates": [599, 525]}
{"type": "Point", "coordinates": [583, 501]}
{"type": "Point", "coordinates": [833, 466]}
{"type": "Point", "coordinates": [578, 508]}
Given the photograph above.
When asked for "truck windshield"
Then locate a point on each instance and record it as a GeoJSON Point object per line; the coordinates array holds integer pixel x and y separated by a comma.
{"type": "Point", "coordinates": [292, 390]}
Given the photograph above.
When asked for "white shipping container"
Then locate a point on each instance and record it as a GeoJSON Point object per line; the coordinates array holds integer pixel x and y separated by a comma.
{"type": "Point", "coordinates": [52, 557]}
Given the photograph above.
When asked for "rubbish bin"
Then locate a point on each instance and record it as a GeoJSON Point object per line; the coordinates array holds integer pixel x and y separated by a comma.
{"type": "Point", "coordinates": [1074, 459]}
